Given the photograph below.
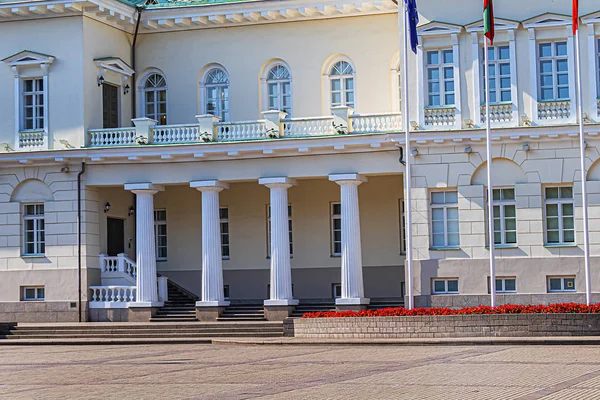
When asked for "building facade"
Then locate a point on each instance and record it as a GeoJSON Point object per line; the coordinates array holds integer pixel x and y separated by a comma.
{"type": "Point", "coordinates": [254, 152]}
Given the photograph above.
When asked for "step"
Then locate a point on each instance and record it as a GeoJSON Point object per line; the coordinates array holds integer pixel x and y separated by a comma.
{"type": "Point", "coordinates": [223, 319]}
{"type": "Point", "coordinates": [128, 325]}
{"type": "Point", "coordinates": [167, 332]}
{"type": "Point", "coordinates": [144, 335]}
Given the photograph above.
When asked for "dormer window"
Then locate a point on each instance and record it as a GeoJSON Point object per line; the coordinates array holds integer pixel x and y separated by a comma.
{"type": "Point", "coordinates": [30, 71]}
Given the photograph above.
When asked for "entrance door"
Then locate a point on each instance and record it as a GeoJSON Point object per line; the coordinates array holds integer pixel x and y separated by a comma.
{"type": "Point", "coordinates": [115, 236]}
{"type": "Point", "coordinates": [110, 106]}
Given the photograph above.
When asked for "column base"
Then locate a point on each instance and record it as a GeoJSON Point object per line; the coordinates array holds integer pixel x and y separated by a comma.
{"type": "Point", "coordinates": [278, 313]}
{"type": "Point", "coordinates": [352, 304]}
{"type": "Point", "coordinates": [142, 312]}
{"type": "Point", "coordinates": [282, 302]}
{"type": "Point", "coordinates": [207, 313]}
{"type": "Point", "coordinates": [220, 303]}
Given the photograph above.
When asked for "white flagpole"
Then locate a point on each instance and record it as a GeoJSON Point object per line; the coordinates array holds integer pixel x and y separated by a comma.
{"type": "Point", "coordinates": [489, 179]}
{"type": "Point", "coordinates": [586, 238]}
{"type": "Point", "coordinates": [407, 183]}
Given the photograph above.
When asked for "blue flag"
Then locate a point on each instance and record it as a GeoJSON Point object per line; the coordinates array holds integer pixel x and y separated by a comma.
{"type": "Point", "coordinates": [413, 20]}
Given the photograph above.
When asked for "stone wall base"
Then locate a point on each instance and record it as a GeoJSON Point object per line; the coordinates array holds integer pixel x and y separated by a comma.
{"type": "Point", "coordinates": [141, 314]}
{"type": "Point", "coordinates": [42, 311]}
{"type": "Point", "coordinates": [109, 315]}
{"type": "Point", "coordinates": [278, 313]}
{"type": "Point", "coordinates": [209, 314]}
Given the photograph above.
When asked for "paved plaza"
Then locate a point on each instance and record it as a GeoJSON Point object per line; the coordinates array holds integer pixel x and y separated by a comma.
{"type": "Point", "coordinates": [299, 372]}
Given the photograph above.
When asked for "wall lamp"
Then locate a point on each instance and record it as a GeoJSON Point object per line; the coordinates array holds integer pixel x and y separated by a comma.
{"type": "Point", "coordinates": [126, 89]}
{"type": "Point", "coordinates": [106, 207]}
{"type": "Point", "coordinates": [100, 80]}
{"type": "Point", "coordinates": [468, 149]}
{"type": "Point", "coordinates": [414, 152]}
{"type": "Point", "coordinates": [131, 211]}
{"type": "Point", "coordinates": [526, 147]}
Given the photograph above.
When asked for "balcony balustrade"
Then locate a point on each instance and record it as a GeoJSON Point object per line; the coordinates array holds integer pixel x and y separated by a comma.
{"type": "Point", "coordinates": [440, 116]}
{"type": "Point", "coordinates": [554, 109]}
{"type": "Point", "coordinates": [499, 113]}
{"type": "Point", "coordinates": [32, 140]}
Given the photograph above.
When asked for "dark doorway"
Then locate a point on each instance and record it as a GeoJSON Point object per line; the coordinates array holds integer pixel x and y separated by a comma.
{"type": "Point", "coordinates": [110, 106]}
{"type": "Point", "coordinates": [115, 236]}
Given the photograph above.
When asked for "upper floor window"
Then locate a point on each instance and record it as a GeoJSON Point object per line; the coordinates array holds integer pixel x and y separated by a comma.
{"type": "Point", "coordinates": [440, 78]}
{"type": "Point", "coordinates": [341, 78]}
{"type": "Point", "coordinates": [499, 74]}
{"type": "Point", "coordinates": [34, 238]}
{"type": "Point", "coordinates": [444, 219]}
{"type": "Point", "coordinates": [216, 88]}
{"type": "Point", "coordinates": [155, 97]}
{"type": "Point", "coordinates": [33, 99]}
{"type": "Point", "coordinates": [554, 71]}
{"type": "Point", "coordinates": [289, 230]}
{"type": "Point", "coordinates": [160, 234]}
{"type": "Point", "coordinates": [279, 89]}
{"type": "Point", "coordinates": [560, 217]}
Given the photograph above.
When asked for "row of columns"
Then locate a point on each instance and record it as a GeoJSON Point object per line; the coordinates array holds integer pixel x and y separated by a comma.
{"type": "Point", "coordinates": [212, 296]}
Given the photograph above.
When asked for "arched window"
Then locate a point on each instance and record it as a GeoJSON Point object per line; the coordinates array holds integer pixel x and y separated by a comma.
{"type": "Point", "coordinates": [341, 77]}
{"type": "Point", "coordinates": [279, 89]}
{"type": "Point", "coordinates": [155, 98]}
{"type": "Point", "coordinates": [216, 86]}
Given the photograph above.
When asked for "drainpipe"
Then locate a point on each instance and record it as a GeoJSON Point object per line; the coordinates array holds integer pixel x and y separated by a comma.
{"type": "Point", "coordinates": [140, 9]}
{"type": "Point", "coordinates": [79, 235]}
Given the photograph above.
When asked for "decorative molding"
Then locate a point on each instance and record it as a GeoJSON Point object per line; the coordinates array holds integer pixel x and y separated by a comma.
{"type": "Point", "coordinates": [114, 64]}
{"type": "Point", "coordinates": [500, 24]}
{"type": "Point", "coordinates": [547, 20]}
{"type": "Point", "coordinates": [436, 28]}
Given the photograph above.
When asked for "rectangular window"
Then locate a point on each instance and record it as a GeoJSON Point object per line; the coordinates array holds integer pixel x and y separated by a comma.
{"type": "Point", "coordinates": [160, 234]}
{"type": "Point", "coordinates": [440, 78]}
{"type": "Point", "coordinates": [561, 284]}
{"type": "Point", "coordinates": [336, 229]}
{"type": "Point", "coordinates": [33, 230]}
{"type": "Point", "coordinates": [37, 293]}
{"type": "Point", "coordinates": [224, 216]}
{"type": "Point", "coordinates": [444, 219]}
{"type": "Point", "coordinates": [504, 285]}
{"type": "Point", "coordinates": [32, 104]}
{"type": "Point", "coordinates": [598, 67]}
{"type": "Point", "coordinates": [499, 74]}
{"type": "Point", "coordinates": [226, 292]}
{"type": "Point", "coordinates": [444, 286]}
{"type": "Point", "coordinates": [402, 213]}
{"type": "Point", "coordinates": [554, 71]}
{"type": "Point", "coordinates": [336, 290]}
{"type": "Point", "coordinates": [560, 217]}
{"type": "Point", "coordinates": [269, 230]}
{"type": "Point", "coordinates": [505, 217]}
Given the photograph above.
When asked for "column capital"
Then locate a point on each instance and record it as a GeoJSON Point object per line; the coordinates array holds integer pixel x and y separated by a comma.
{"type": "Point", "coordinates": [209, 186]}
{"type": "Point", "coordinates": [282, 182]}
{"type": "Point", "coordinates": [348, 179]}
{"type": "Point", "coordinates": [144, 188]}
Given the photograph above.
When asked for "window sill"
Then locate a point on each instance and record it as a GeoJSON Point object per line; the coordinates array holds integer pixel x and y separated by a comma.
{"type": "Point", "coordinates": [452, 107]}
{"type": "Point", "coordinates": [335, 255]}
{"type": "Point", "coordinates": [552, 101]}
{"type": "Point", "coordinates": [503, 246]}
{"type": "Point", "coordinates": [559, 245]}
{"type": "Point", "coordinates": [28, 256]}
{"type": "Point", "coordinates": [225, 258]}
{"type": "Point", "coordinates": [437, 294]}
{"type": "Point", "coordinates": [500, 103]}
{"type": "Point", "coordinates": [444, 248]}
{"type": "Point", "coordinates": [561, 291]}
{"type": "Point", "coordinates": [31, 131]}
{"type": "Point", "coordinates": [38, 300]}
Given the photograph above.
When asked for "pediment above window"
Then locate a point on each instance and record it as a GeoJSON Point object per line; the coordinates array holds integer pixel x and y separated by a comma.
{"type": "Point", "coordinates": [548, 20]}
{"type": "Point", "coordinates": [438, 28]}
{"type": "Point", "coordinates": [114, 64]}
{"type": "Point", "coordinates": [499, 25]}
{"type": "Point", "coordinates": [593, 18]}
{"type": "Point", "coordinates": [28, 58]}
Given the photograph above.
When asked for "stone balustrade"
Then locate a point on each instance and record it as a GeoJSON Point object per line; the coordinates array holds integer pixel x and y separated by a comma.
{"type": "Point", "coordinates": [554, 109]}
{"type": "Point", "coordinates": [120, 263]}
{"type": "Point", "coordinates": [111, 294]}
{"type": "Point", "coordinates": [172, 134]}
{"type": "Point", "coordinates": [112, 137]}
{"type": "Point", "coordinates": [32, 139]}
{"type": "Point", "coordinates": [243, 130]}
{"type": "Point", "coordinates": [306, 127]}
{"type": "Point", "coordinates": [386, 122]}
{"type": "Point", "coordinates": [499, 113]}
{"type": "Point", "coordinates": [440, 116]}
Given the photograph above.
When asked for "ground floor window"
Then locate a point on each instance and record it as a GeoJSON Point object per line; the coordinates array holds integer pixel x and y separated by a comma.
{"type": "Point", "coordinates": [445, 286]}
{"type": "Point", "coordinates": [504, 285]}
{"type": "Point", "coordinates": [226, 292]}
{"type": "Point", "coordinates": [402, 213]}
{"type": "Point", "coordinates": [224, 218]}
{"type": "Point", "coordinates": [336, 290]}
{"type": "Point", "coordinates": [37, 293]}
{"type": "Point", "coordinates": [160, 234]}
{"type": "Point", "coordinates": [34, 238]}
{"type": "Point", "coordinates": [336, 229]}
{"type": "Point", "coordinates": [269, 230]}
{"type": "Point", "coordinates": [561, 284]}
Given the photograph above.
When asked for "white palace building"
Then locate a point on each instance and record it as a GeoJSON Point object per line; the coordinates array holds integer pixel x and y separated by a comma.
{"type": "Point", "coordinates": [252, 153]}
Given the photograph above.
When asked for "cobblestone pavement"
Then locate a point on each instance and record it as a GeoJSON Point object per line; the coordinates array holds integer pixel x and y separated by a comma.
{"type": "Point", "coordinates": [300, 372]}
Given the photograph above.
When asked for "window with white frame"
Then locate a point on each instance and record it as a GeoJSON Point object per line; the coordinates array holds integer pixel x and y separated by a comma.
{"type": "Point", "coordinates": [505, 217]}
{"type": "Point", "coordinates": [34, 293]}
{"type": "Point", "coordinates": [279, 89]}
{"type": "Point", "coordinates": [160, 234]}
{"type": "Point", "coordinates": [440, 78]}
{"type": "Point", "coordinates": [336, 229]}
{"type": "Point", "coordinates": [444, 286]}
{"type": "Point", "coordinates": [598, 67]}
{"type": "Point", "coordinates": [444, 219]}
{"type": "Point", "coordinates": [155, 98]}
{"type": "Point", "coordinates": [224, 220]}
{"type": "Point", "coordinates": [402, 212]}
{"type": "Point", "coordinates": [341, 78]}
{"type": "Point", "coordinates": [336, 290]}
{"type": "Point", "coordinates": [504, 285]}
{"type": "Point", "coordinates": [553, 71]}
{"type": "Point", "coordinates": [561, 284]}
{"type": "Point", "coordinates": [33, 98]}
{"type": "Point", "coordinates": [560, 216]}
{"type": "Point", "coordinates": [34, 237]}
{"type": "Point", "coordinates": [499, 74]}
{"type": "Point", "coordinates": [269, 230]}
{"type": "Point", "coordinates": [216, 88]}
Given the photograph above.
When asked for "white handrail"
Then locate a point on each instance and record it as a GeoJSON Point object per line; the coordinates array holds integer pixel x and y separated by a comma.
{"type": "Point", "coordinates": [112, 294]}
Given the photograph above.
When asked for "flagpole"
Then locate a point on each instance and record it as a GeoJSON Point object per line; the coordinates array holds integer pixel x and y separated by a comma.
{"type": "Point", "coordinates": [586, 238]}
{"type": "Point", "coordinates": [490, 189]}
{"type": "Point", "coordinates": [407, 172]}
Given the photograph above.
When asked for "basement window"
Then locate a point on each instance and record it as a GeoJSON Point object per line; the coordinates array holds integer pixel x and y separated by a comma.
{"type": "Point", "coordinates": [37, 293]}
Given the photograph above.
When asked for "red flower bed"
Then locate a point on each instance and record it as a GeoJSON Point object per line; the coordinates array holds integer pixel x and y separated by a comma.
{"type": "Point", "coordinates": [559, 308]}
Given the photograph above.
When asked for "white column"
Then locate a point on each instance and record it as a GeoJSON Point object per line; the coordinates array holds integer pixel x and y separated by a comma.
{"type": "Point", "coordinates": [353, 292]}
{"type": "Point", "coordinates": [146, 280]}
{"type": "Point", "coordinates": [212, 257]}
{"type": "Point", "coordinates": [281, 269]}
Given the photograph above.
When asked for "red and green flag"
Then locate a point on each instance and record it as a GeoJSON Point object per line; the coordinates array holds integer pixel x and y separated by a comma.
{"type": "Point", "coordinates": [488, 20]}
{"type": "Point", "coordinates": [575, 15]}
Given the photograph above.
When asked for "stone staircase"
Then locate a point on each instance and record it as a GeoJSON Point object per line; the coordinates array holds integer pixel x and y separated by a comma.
{"type": "Point", "coordinates": [305, 307]}
{"type": "Point", "coordinates": [243, 312]}
{"type": "Point", "coordinates": [181, 306]}
{"type": "Point", "coordinates": [144, 331]}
